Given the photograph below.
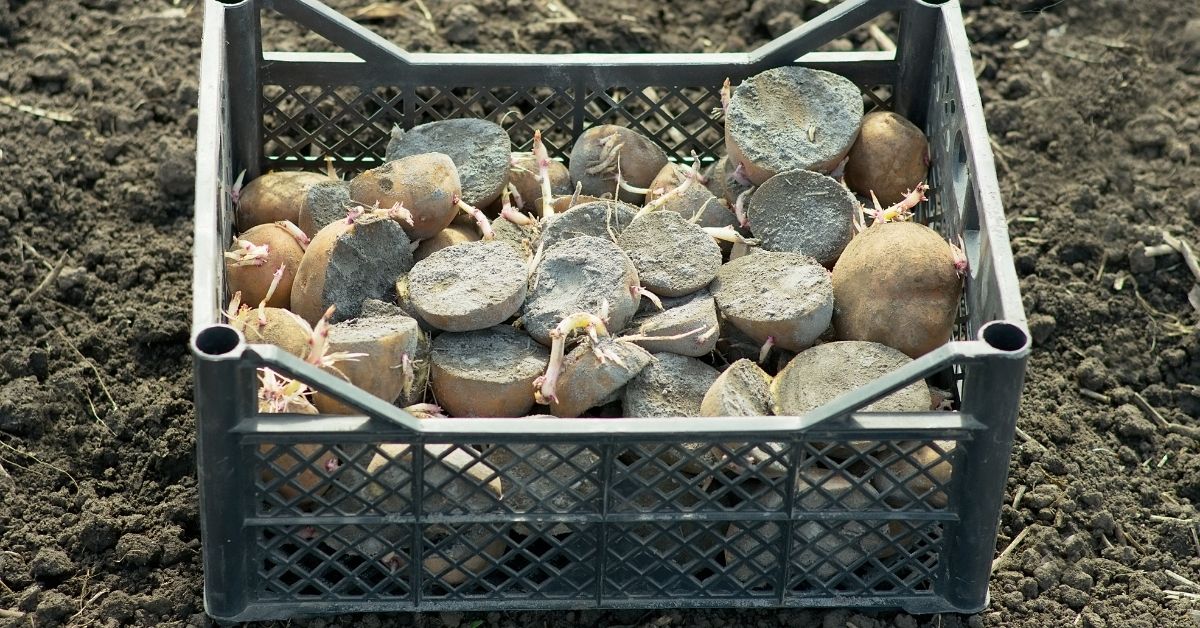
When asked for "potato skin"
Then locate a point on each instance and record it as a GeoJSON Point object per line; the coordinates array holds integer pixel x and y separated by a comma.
{"type": "Point", "coordinates": [454, 234]}
{"type": "Point", "coordinates": [896, 284]}
{"type": "Point", "coordinates": [274, 196]}
{"type": "Point", "coordinates": [283, 329]}
{"type": "Point", "coordinates": [889, 157]}
{"type": "Point", "coordinates": [464, 397]}
{"type": "Point", "coordinates": [425, 184]}
{"type": "Point", "coordinates": [254, 281]}
{"type": "Point", "coordinates": [309, 286]}
{"type": "Point", "coordinates": [640, 161]}
{"type": "Point", "coordinates": [524, 176]}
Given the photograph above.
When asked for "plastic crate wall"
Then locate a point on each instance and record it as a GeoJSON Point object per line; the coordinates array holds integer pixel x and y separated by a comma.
{"type": "Point", "coordinates": [310, 515]}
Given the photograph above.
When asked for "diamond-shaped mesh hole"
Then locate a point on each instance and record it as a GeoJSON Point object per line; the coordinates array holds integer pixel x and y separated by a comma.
{"type": "Point", "coordinates": [332, 562]}
{"type": "Point", "coordinates": [864, 557]}
{"type": "Point", "coordinates": [562, 479]}
{"type": "Point", "coordinates": [533, 561]}
{"type": "Point", "coordinates": [835, 476]}
{"type": "Point", "coordinates": [657, 559]}
{"type": "Point", "coordinates": [310, 122]}
{"type": "Point", "coordinates": [460, 480]}
{"type": "Point", "coordinates": [913, 475]}
{"type": "Point", "coordinates": [339, 480]}
{"type": "Point", "coordinates": [667, 478]}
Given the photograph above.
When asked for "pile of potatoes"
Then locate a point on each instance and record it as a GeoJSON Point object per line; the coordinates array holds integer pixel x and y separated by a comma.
{"type": "Point", "coordinates": [462, 279]}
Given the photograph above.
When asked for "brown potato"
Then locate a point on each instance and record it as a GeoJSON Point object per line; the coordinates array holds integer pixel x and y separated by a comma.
{"type": "Point", "coordinates": [696, 202]}
{"type": "Point", "coordinates": [792, 118]}
{"type": "Point", "coordinates": [896, 284]}
{"type": "Point", "coordinates": [454, 234]}
{"type": "Point", "coordinates": [277, 327]}
{"type": "Point", "coordinates": [563, 203]}
{"type": "Point", "coordinates": [524, 175]}
{"type": "Point", "coordinates": [890, 157]}
{"type": "Point", "coordinates": [389, 341]}
{"type": "Point", "coordinates": [325, 202]}
{"type": "Point", "coordinates": [599, 150]}
{"type": "Point", "coordinates": [783, 296]}
{"type": "Point", "coordinates": [253, 279]}
{"type": "Point", "coordinates": [348, 263]}
{"type": "Point", "coordinates": [486, 373]}
{"type": "Point", "coordinates": [274, 196]}
{"type": "Point", "coordinates": [425, 185]}
{"type": "Point", "coordinates": [308, 479]}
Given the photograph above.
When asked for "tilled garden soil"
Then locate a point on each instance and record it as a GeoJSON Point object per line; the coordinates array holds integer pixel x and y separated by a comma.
{"type": "Point", "coordinates": [1095, 116]}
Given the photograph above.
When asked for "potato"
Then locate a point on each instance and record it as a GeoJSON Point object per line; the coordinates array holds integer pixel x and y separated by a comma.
{"type": "Point", "coordinates": [347, 263]}
{"type": "Point", "coordinates": [426, 185]}
{"type": "Point", "coordinates": [253, 271]}
{"type": "Point", "coordinates": [479, 149]}
{"type": "Point", "coordinates": [696, 202]}
{"type": "Point", "coordinates": [896, 284]}
{"type": "Point", "coordinates": [454, 234]}
{"type": "Point", "coordinates": [599, 150]}
{"type": "Point", "coordinates": [890, 157]}
{"type": "Point", "coordinates": [582, 274]}
{"type": "Point", "coordinates": [486, 373]}
{"type": "Point", "coordinates": [393, 342]}
{"type": "Point", "coordinates": [820, 374]}
{"type": "Point", "coordinates": [786, 297]}
{"type": "Point", "coordinates": [324, 203]}
{"type": "Point", "coordinates": [673, 257]}
{"type": "Point", "coordinates": [803, 212]}
{"type": "Point", "coordinates": [274, 196]}
{"type": "Point", "coordinates": [792, 118]}
{"type": "Point", "coordinates": [469, 286]}
{"type": "Point", "coordinates": [274, 396]}
{"type": "Point", "coordinates": [275, 326]}
{"type": "Point", "coordinates": [524, 175]}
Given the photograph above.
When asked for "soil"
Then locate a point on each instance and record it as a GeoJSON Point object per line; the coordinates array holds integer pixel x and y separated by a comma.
{"type": "Point", "coordinates": [1094, 114]}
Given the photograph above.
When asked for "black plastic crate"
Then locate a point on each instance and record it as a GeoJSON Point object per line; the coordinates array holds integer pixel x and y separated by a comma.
{"type": "Point", "coordinates": [835, 508]}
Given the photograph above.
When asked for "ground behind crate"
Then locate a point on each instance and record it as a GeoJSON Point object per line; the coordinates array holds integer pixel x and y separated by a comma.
{"type": "Point", "coordinates": [1093, 110]}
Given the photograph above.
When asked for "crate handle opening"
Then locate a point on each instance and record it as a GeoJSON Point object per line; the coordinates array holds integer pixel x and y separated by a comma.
{"type": "Point", "coordinates": [217, 340]}
{"type": "Point", "coordinates": [1005, 336]}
